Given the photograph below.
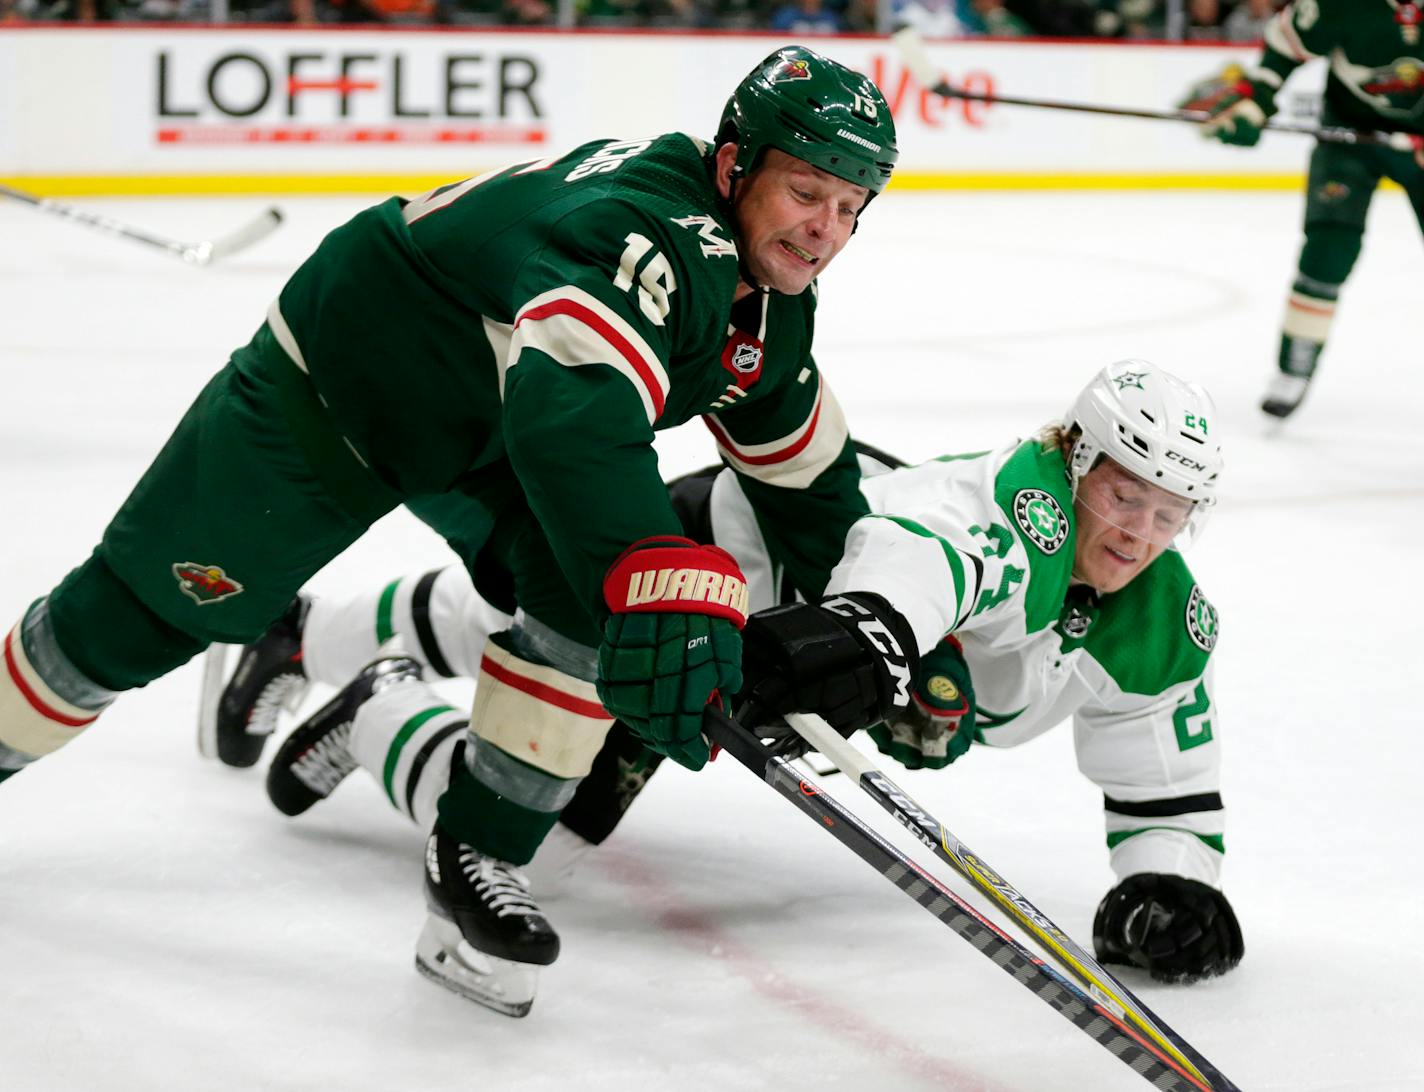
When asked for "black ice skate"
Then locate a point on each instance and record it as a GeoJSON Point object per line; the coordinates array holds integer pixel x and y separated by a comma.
{"type": "Point", "coordinates": [1284, 394]}
{"type": "Point", "coordinates": [485, 938]}
{"type": "Point", "coordinates": [1296, 368]}
{"type": "Point", "coordinates": [316, 757]}
{"type": "Point", "coordinates": [234, 722]}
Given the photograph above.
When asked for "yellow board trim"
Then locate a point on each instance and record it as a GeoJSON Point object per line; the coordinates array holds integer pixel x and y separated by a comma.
{"type": "Point", "coordinates": [78, 185]}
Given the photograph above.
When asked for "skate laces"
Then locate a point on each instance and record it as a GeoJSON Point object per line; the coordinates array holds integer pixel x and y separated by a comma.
{"type": "Point", "coordinates": [279, 694]}
{"type": "Point", "coordinates": [324, 764]}
{"type": "Point", "coordinates": [504, 888]}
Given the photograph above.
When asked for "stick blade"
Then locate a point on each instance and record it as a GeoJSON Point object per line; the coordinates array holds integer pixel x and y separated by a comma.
{"type": "Point", "coordinates": [206, 253]}
{"type": "Point", "coordinates": [215, 662]}
{"type": "Point", "coordinates": [917, 59]}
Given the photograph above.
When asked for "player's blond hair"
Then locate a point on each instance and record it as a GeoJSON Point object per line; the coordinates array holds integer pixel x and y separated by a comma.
{"type": "Point", "coordinates": [1059, 436]}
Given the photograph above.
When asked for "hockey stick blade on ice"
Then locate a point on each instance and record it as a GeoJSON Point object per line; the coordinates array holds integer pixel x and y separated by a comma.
{"type": "Point", "coordinates": [1080, 964]}
{"type": "Point", "coordinates": [201, 253]}
{"type": "Point", "coordinates": [1093, 1015]}
{"type": "Point", "coordinates": [912, 52]}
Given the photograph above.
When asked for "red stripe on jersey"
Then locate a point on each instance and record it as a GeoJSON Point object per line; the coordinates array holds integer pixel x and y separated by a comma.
{"type": "Point", "coordinates": [34, 699]}
{"type": "Point", "coordinates": [543, 691]}
{"type": "Point", "coordinates": [603, 329]}
{"type": "Point", "coordinates": [788, 452]}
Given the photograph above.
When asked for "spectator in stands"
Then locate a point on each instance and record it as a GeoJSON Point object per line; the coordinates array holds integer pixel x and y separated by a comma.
{"type": "Point", "coordinates": [611, 13]}
{"type": "Point", "coordinates": [799, 17]}
{"type": "Point", "coordinates": [932, 18]}
{"type": "Point", "coordinates": [1057, 18]}
{"type": "Point", "coordinates": [861, 16]}
{"type": "Point", "coordinates": [1130, 19]}
{"type": "Point", "coordinates": [992, 19]}
{"type": "Point", "coordinates": [79, 11]}
{"type": "Point", "coordinates": [1203, 20]}
{"type": "Point", "coordinates": [494, 12]}
{"type": "Point", "coordinates": [737, 14]}
{"type": "Point", "coordinates": [1247, 20]}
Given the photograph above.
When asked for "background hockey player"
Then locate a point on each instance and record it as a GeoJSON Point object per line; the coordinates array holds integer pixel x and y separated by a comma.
{"type": "Point", "coordinates": [1376, 82]}
{"type": "Point", "coordinates": [498, 354]}
{"type": "Point", "coordinates": [1050, 566]}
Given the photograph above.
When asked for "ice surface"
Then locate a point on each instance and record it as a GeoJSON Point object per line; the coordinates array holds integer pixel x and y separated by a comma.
{"type": "Point", "coordinates": [162, 927]}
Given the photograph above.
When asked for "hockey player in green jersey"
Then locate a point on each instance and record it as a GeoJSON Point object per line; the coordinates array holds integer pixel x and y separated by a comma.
{"type": "Point", "coordinates": [497, 355]}
{"type": "Point", "coordinates": [1376, 82]}
{"type": "Point", "coordinates": [1046, 566]}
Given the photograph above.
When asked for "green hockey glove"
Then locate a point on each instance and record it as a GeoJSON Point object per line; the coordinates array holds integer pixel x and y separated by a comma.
{"type": "Point", "coordinates": [1238, 103]}
{"type": "Point", "coordinates": [673, 643]}
{"type": "Point", "coordinates": [938, 726]}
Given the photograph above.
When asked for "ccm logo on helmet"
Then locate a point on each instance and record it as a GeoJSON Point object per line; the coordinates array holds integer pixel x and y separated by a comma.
{"type": "Point", "coordinates": [1190, 464]}
{"type": "Point", "coordinates": [855, 138]}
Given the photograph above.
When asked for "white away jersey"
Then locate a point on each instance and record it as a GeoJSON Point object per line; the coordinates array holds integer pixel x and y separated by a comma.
{"type": "Point", "coordinates": [981, 546]}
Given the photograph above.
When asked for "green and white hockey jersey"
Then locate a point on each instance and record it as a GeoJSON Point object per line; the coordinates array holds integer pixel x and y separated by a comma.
{"type": "Point", "coordinates": [546, 319]}
{"type": "Point", "coordinates": [1376, 61]}
{"type": "Point", "coordinates": [981, 546]}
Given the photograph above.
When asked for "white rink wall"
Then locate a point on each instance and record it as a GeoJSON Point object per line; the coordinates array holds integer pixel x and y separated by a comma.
{"type": "Point", "coordinates": [193, 109]}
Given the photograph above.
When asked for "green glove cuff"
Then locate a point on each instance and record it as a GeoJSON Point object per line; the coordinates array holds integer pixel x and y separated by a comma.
{"type": "Point", "coordinates": [944, 685]}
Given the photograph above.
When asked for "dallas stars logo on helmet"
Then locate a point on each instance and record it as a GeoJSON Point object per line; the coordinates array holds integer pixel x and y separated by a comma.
{"type": "Point", "coordinates": [1201, 620]}
{"type": "Point", "coordinates": [1041, 518]}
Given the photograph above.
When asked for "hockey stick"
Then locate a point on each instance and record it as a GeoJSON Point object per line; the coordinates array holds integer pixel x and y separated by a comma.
{"type": "Point", "coordinates": [214, 679]}
{"type": "Point", "coordinates": [201, 253]}
{"type": "Point", "coordinates": [912, 51]}
{"type": "Point", "coordinates": [1092, 1015]}
{"type": "Point", "coordinates": [919, 822]}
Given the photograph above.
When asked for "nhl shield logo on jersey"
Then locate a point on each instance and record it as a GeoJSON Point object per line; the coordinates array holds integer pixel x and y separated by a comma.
{"type": "Point", "coordinates": [1201, 620]}
{"type": "Point", "coordinates": [742, 357]}
{"type": "Point", "coordinates": [204, 584]}
{"type": "Point", "coordinates": [1075, 626]}
{"type": "Point", "coordinates": [1041, 518]}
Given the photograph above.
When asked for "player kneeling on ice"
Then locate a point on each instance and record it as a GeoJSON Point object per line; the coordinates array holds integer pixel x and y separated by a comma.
{"type": "Point", "coordinates": [1050, 566]}
{"type": "Point", "coordinates": [498, 355]}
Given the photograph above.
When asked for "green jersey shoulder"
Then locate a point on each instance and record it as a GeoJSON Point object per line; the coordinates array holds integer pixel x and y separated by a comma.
{"type": "Point", "coordinates": [1031, 490]}
{"type": "Point", "coordinates": [1157, 632]}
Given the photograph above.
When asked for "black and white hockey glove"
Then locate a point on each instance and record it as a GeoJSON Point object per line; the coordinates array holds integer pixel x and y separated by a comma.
{"type": "Point", "coordinates": [849, 658]}
{"type": "Point", "coordinates": [1178, 930]}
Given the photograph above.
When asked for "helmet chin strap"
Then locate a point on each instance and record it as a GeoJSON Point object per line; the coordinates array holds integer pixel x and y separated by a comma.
{"type": "Point", "coordinates": [743, 270]}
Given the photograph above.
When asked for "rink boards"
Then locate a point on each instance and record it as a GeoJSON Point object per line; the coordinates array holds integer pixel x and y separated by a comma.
{"type": "Point", "coordinates": [140, 110]}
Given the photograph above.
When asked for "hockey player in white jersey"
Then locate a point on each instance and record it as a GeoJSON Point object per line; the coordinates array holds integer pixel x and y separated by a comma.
{"type": "Point", "coordinates": [1043, 580]}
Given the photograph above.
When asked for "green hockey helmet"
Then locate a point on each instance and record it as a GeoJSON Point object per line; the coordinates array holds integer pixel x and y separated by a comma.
{"type": "Point", "coordinates": [817, 110]}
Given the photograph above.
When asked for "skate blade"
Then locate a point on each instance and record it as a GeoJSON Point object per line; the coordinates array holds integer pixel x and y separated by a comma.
{"type": "Point", "coordinates": [214, 679]}
{"type": "Point", "coordinates": [442, 956]}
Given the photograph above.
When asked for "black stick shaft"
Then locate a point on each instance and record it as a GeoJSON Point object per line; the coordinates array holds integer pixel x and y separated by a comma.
{"type": "Point", "coordinates": [1049, 984]}
{"type": "Point", "coordinates": [1329, 134]}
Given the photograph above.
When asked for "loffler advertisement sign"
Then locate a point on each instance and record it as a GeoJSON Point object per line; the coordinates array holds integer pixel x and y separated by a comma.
{"type": "Point", "coordinates": [291, 109]}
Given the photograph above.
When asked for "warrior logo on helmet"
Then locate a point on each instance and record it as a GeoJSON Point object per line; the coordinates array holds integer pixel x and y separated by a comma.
{"type": "Point", "coordinates": [204, 584]}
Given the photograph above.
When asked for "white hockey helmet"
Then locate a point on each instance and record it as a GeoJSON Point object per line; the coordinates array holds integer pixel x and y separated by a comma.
{"type": "Point", "coordinates": [1159, 427]}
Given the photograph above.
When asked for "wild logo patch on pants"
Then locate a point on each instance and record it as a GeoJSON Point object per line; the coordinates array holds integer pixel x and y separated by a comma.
{"type": "Point", "coordinates": [204, 584]}
{"type": "Point", "coordinates": [1332, 192]}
